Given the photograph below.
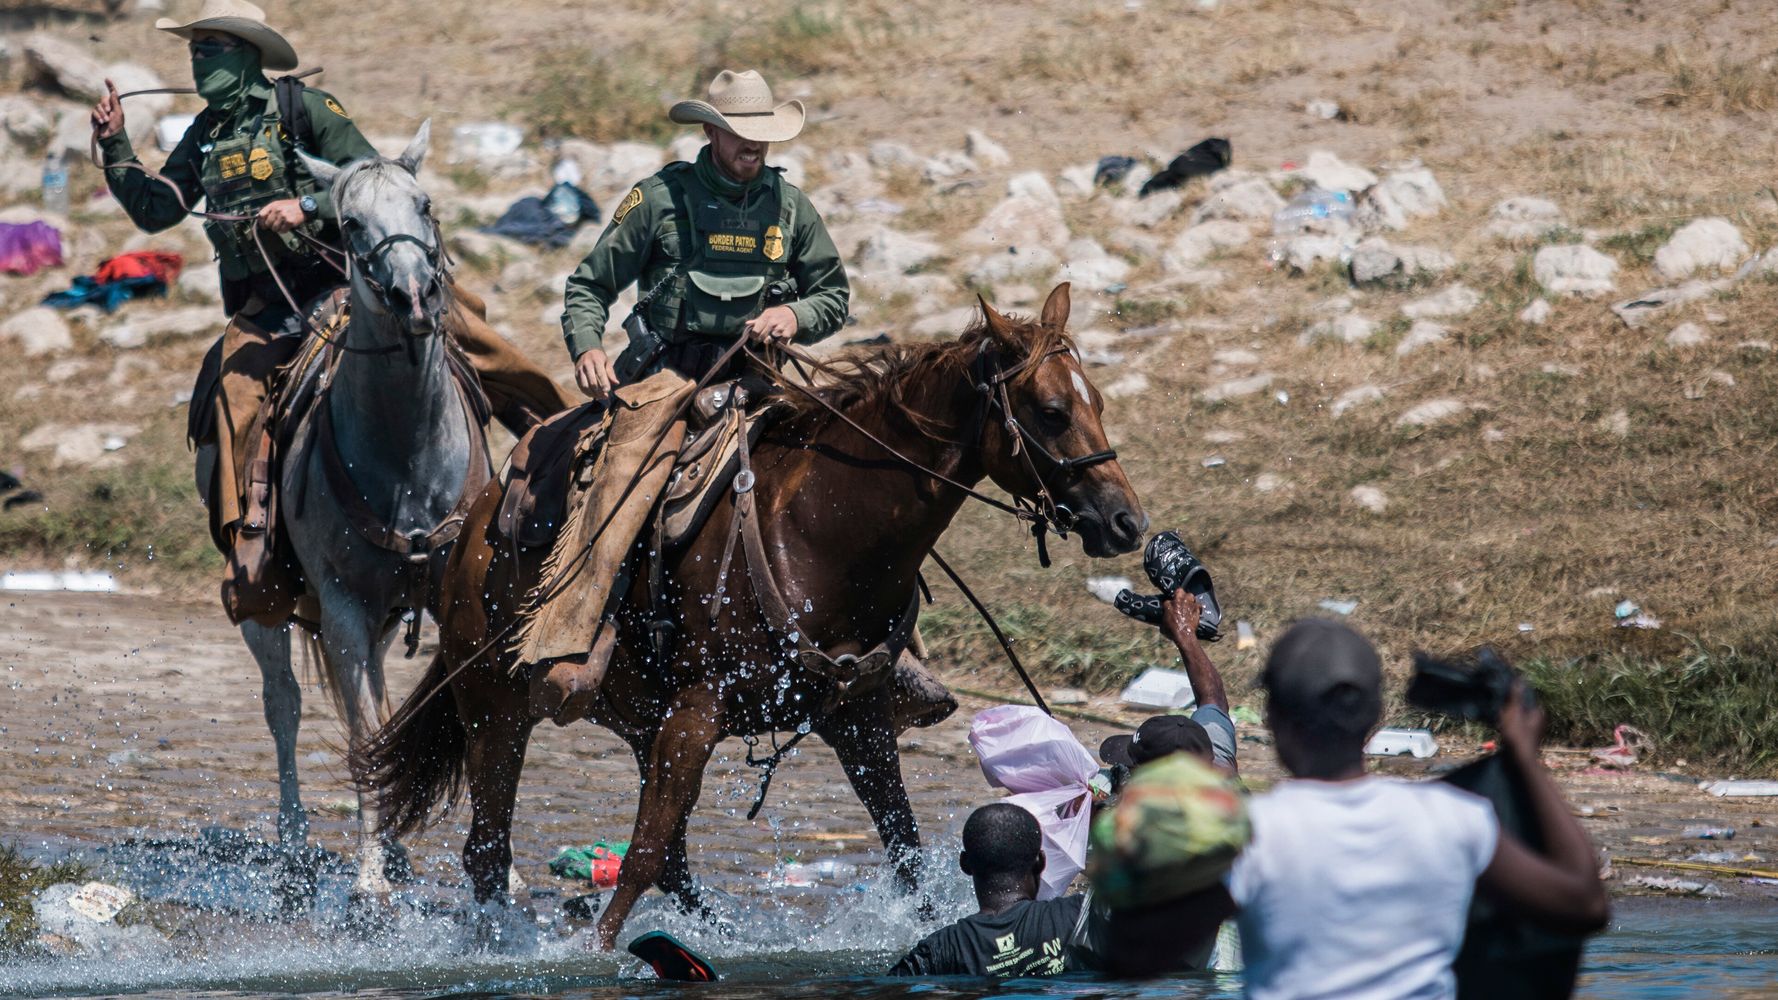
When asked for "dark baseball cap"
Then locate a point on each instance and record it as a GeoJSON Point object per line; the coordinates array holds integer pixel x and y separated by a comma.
{"type": "Point", "coordinates": [1324, 672]}
{"type": "Point", "coordinates": [1156, 738]}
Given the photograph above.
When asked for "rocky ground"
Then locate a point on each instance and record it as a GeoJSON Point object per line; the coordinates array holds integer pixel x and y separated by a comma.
{"type": "Point", "coordinates": [1519, 376]}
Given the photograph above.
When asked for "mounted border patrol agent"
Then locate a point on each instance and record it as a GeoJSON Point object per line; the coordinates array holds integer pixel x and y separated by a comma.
{"type": "Point", "coordinates": [239, 155]}
{"type": "Point", "coordinates": [721, 247]}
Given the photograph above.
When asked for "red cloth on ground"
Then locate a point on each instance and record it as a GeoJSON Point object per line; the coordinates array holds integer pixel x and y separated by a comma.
{"type": "Point", "coordinates": [164, 267]}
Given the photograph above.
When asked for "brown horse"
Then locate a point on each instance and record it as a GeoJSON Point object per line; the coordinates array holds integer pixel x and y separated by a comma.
{"type": "Point", "coordinates": [846, 528]}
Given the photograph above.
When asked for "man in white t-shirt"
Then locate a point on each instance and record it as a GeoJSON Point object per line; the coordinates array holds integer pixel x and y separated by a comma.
{"type": "Point", "coordinates": [1358, 886]}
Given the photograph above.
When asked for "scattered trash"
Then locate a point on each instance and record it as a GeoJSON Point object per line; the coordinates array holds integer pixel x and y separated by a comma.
{"type": "Point", "coordinates": [1717, 857]}
{"type": "Point", "coordinates": [127, 276]}
{"type": "Point", "coordinates": [1622, 754]}
{"type": "Point", "coordinates": [1201, 160]}
{"type": "Point", "coordinates": [1105, 588]}
{"type": "Point", "coordinates": [1323, 109]}
{"type": "Point", "coordinates": [1066, 696]}
{"type": "Point", "coordinates": [1675, 885]}
{"type": "Point", "coordinates": [72, 582]}
{"type": "Point", "coordinates": [1158, 687]}
{"type": "Point", "coordinates": [551, 220]}
{"type": "Point", "coordinates": [1246, 716]}
{"type": "Point", "coordinates": [1114, 289]}
{"type": "Point", "coordinates": [1314, 210]}
{"type": "Point", "coordinates": [1527, 627]}
{"type": "Point", "coordinates": [29, 247]}
{"type": "Point", "coordinates": [55, 183]}
{"type": "Point", "coordinates": [1112, 170]}
{"type": "Point", "coordinates": [1741, 789]}
{"type": "Point", "coordinates": [1709, 833]}
{"type": "Point", "coordinates": [598, 863]}
{"type": "Point", "coordinates": [82, 919]}
{"type": "Point", "coordinates": [1244, 638]}
{"type": "Point", "coordinates": [131, 758]}
{"type": "Point", "coordinates": [1395, 742]}
{"type": "Point", "coordinates": [1338, 607]}
{"type": "Point", "coordinates": [1643, 620]}
{"type": "Point", "coordinates": [169, 130]}
{"type": "Point", "coordinates": [22, 498]}
{"type": "Point", "coordinates": [1282, 397]}
{"type": "Point", "coordinates": [1215, 462]}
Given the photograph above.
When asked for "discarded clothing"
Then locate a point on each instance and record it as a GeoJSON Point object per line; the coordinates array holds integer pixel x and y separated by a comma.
{"type": "Point", "coordinates": [127, 276]}
{"type": "Point", "coordinates": [1112, 169]}
{"type": "Point", "coordinates": [26, 248]}
{"type": "Point", "coordinates": [551, 220]}
{"type": "Point", "coordinates": [1205, 158]}
{"type": "Point", "coordinates": [597, 864]}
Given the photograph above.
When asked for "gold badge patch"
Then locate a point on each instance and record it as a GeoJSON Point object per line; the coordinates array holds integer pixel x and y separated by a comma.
{"type": "Point", "coordinates": [334, 106]}
{"type": "Point", "coordinates": [232, 165]}
{"type": "Point", "coordinates": [630, 201]}
{"type": "Point", "coordinates": [774, 248]}
{"type": "Point", "coordinates": [259, 165]}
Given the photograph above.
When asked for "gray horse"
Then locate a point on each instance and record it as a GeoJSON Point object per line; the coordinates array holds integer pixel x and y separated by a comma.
{"type": "Point", "coordinates": [401, 429]}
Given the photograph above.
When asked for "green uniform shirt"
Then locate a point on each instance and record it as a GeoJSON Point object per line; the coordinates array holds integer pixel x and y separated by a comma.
{"type": "Point", "coordinates": [644, 243]}
{"type": "Point", "coordinates": [152, 207]}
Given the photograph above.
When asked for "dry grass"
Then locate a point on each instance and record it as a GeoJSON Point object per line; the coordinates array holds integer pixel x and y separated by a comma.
{"type": "Point", "coordinates": [1718, 81]}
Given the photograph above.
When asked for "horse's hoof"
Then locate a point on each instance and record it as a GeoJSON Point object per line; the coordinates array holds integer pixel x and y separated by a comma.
{"type": "Point", "coordinates": [502, 928]}
{"type": "Point", "coordinates": [370, 916]}
{"type": "Point", "coordinates": [398, 868]}
{"type": "Point", "coordinates": [297, 878]}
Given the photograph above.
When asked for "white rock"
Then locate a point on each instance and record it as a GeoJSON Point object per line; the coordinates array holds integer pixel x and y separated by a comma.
{"type": "Point", "coordinates": [1322, 108]}
{"type": "Point", "coordinates": [794, 162]}
{"type": "Point", "coordinates": [985, 151]}
{"type": "Point", "coordinates": [1431, 413]}
{"type": "Point", "coordinates": [1077, 181]}
{"type": "Point", "coordinates": [1455, 300]}
{"type": "Point", "coordinates": [1535, 314]}
{"type": "Point", "coordinates": [141, 330]}
{"type": "Point", "coordinates": [890, 251]}
{"type": "Point", "coordinates": [496, 147]}
{"type": "Point", "coordinates": [1347, 328]}
{"type": "Point", "coordinates": [77, 446]}
{"type": "Point", "coordinates": [1410, 193]}
{"type": "Point", "coordinates": [1640, 310]}
{"type": "Point", "coordinates": [1330, 173]}
{"type": "Point", "coordinates": [1193, 246]}
{"type": "Point", "coordinates": [1687, 335]}
{"type": "Point", "coordinates": [1239, 196]}
{"type": "Point", "coordinates": [1370, 498]}
{"type": "Point", "coordinates": [1303, 252]}
{"type": "Point", "coordinates": [66, 65]}
{"type": "Point", "coordinates": [37, 331]}
{"type": "Point", "coordinates": [1377, 262]}
{"type": "Point", "coordinates": [947, 166]}
{"type": "Point", "coordinates": [1129, 384]}
{"type": "Point", "coordinates": [1086, 263]}
{"type": "Point", "coordinates": [1356, 396]}
{"type": "Point", "coordinates": [945, 324]}
{"type": "Point", "coordinates": [1148, 212]}
{"type": "Point", "coordinates": [1013, 264]}
{"type": "Point", "coordinates": [25, 121]}
{"type": "Point", "coordinates": [1423, 333]}
{"type": "Point", "coordinates": [1269, 482]}
{"type": "Point", "coordinates": [626, 165]}
{"type": "Point", "coordinates": [1702, 245]}
{"type": "Point", "coordinates": [1139, 243]}
{"type": "Point", "coordinates": [1029, 216]}
{"type": "Point", "coordinates": [1235, 357]}
{"type": "Point", "coordinates": [890, 156]}
{"type": "Point", "coordinates": [686, 145]}
{"type": "Point", "coordinates": [1237, 388]}
{"type": "Point", "coordinates": [1574, 270]}
{"type": "Point", "coordinates": [1525, 218]}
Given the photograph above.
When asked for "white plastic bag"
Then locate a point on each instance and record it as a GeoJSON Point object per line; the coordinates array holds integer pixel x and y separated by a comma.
{"type": "Point", "coordinates": [1028, 753]}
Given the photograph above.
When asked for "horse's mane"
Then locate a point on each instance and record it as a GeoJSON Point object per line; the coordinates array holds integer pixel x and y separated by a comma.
{"type": "Point", "coordinates": [377, 171]}
{"type": "Point", "coordinates": [878, 378]}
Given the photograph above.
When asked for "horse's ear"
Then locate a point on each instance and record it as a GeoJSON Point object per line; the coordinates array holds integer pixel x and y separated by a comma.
{"type": "Point", "coordinates": [997, 325]}
{"type": "Point", "coordinates": [415, 153]}
{"type": "Point", "coordinates": [323, 171]}
{"type": "Point", "coordinates": [1055, 308]}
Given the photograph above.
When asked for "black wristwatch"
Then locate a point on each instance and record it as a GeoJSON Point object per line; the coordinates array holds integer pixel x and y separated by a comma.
{"type": "Point", "coordinates": [307, 203]}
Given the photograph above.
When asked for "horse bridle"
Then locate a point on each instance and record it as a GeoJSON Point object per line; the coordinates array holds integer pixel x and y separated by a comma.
{"type": "Point", "coordinates": [360, 264]}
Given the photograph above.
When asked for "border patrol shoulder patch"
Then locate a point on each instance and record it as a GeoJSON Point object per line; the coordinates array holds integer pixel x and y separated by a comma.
{"type": "Point", "coordinates": [630, 201]}
{"type": "Point", "coordinates": [334, 106]}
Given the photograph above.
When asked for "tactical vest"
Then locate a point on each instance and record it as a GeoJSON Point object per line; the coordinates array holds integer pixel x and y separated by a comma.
{"type": "Point", "coordinates": [731, 260]}
{"type": "Point", "coordinates": [241, 174]}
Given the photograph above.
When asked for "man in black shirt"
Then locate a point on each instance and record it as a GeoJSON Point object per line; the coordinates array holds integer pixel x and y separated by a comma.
{"type": "Point", "coordinates": [1014, 935]}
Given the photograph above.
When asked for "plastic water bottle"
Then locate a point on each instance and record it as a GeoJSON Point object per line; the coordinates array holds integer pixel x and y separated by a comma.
{"type": "Point", "coordinates": [1313, 210]}
{"type": "Point", "coordinates": [55, 184]}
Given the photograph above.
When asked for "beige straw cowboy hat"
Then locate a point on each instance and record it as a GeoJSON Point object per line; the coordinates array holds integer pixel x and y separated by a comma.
{"type": "Point", "coordinates": [242, 20]}
{"type": "Point", "coordinates": [742, 103]}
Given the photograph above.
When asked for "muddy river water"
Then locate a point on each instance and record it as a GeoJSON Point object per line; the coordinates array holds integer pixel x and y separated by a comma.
{"type": "Point", "coordinates": [132, 735]}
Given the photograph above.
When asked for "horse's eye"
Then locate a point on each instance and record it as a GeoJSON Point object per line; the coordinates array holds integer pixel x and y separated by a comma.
{"type": "Point", "coordinates": [425, 206]}
{"type": "Point", "coordinates": [1054, 417]}
{"type": "Point", "coordinates": [349, 224]}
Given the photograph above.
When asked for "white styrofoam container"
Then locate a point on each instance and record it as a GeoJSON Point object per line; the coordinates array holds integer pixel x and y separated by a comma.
{"type": "Point", "coordinates": [169, 130]}
{"type": "Point", "coordinates": [1158, 688]}
{"type": "Point", "coordinates": [1395, 742]}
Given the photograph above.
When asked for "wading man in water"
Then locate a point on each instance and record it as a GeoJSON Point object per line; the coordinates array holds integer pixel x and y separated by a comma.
{"type": "Point", "coordinates": [719, 248]}
{"type": "Point", "coordinates": [239, 158]}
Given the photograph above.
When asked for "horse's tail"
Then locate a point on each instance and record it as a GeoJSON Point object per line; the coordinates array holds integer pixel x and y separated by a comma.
{"type": "Point", "coordinates": [415, 761]}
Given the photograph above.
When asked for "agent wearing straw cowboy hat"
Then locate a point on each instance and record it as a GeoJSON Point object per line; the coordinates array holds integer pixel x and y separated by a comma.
{"type": "Point", "coordinates": [717, 248]}
{"type": "Point", "coordinates": [238, 157]}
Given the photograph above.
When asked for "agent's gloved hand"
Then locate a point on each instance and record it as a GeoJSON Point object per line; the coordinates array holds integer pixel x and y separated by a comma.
{"type": "Point", "coordinates": [1171, 566]}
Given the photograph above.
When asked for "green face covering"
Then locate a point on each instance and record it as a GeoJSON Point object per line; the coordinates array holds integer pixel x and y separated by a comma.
{"type": "Point", "coordinates": [222, 79]}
